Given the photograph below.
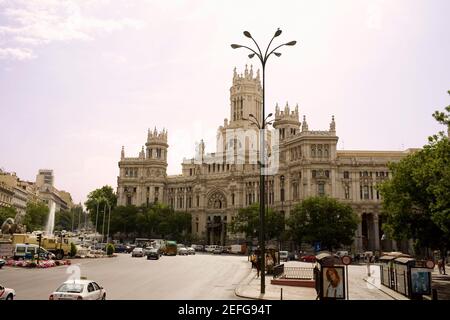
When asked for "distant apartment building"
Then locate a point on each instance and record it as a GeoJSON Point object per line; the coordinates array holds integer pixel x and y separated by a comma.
{"type": "Point", "coordinates": [17, 193]}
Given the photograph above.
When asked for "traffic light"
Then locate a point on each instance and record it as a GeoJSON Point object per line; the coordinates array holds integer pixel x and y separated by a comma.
{"type": "Point", "coordinates": [39, 237]}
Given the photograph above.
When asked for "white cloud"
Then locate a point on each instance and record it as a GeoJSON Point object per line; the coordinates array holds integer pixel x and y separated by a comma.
{"type": "Point", "coordinates": [16, 54]}
{"type": "Point", "coordinates": [39, 22]}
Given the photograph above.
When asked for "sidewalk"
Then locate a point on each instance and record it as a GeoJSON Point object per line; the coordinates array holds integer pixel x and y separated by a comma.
{"type": "Point", "coordinates": [441, 283]}
{"type": "Point", "coordinates": [250, 288]}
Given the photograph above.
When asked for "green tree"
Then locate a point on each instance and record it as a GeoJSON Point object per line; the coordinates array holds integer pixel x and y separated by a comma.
{"type": "Point", "coordinates": [416, 200]}
{"type": "Point", "coordinates": [124, 221]}
{"type": "Point", "coordinates": [73, 249]}
{"type": "Point", "coordinates": [7, 212]}
{"type": "Point", "coordinates": [63, 220]}
{"type": "Point", "coordinates": [324, 220]}
{"type": "Point", "coordinates": [36, 216]}
{"type": "Point", "coordinates": [100, 197]}
{"type": "Point", "coordinates": [247, 221]}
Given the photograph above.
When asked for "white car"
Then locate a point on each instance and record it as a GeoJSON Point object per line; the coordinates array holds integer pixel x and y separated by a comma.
{"type": "Point", "coordinates": [191, 250]}
{"type": "Point", "coordinates": [79, 290]}
{"type": "Point", "coordinates": [182, 252]}
{"type": "Point", "coordinates": [137, 252]}
{"type": "Point", "coordinates": [7, 293]}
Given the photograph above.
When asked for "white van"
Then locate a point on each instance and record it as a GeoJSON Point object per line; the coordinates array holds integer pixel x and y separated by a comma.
{"type": "Point", "coordinates": [22, 251]}
{"type": "Point", "coordinates": [284, 256]}
{"type": "Point", "coordinates": [211, 248]}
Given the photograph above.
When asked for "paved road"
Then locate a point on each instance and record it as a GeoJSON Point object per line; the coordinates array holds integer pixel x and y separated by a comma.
{"type": "Point", "coordinates": [200, 276]}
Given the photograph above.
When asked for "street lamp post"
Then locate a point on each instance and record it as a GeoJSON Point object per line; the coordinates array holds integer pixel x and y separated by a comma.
{"type": "Point", "coordinates": [109, 219]}
{"type": "Point", "coordinates": [263, 60]}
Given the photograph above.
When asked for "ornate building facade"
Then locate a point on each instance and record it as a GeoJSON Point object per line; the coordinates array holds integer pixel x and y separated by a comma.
{"type": "Point", "coordinates": [212, 187]}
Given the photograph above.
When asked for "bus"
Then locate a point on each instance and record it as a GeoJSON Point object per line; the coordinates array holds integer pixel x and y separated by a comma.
{"type": "Point", "coordinates": [171, 248]}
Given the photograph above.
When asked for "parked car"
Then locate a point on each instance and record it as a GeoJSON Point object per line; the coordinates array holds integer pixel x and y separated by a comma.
{"type": "Point", "coordinates": [218, 250]}
{"type": "Point", "coordinates": [120, 248]}
{"type": "Point", "coordinates": [137, 252]}
{"type": "Point", "coordinates": [198, 247]}
{"type": "Point", "coordinates": [7, 293]}
{"type": "Point", "coordinates": [308, 258]}
{"type": "Point", "coordinates": [182, 251]}
{"type": "Point", "coordinates": [190, 250]}
{"type": "Point", "coordinates": [153, 254]}
{"type": "Point", "coordinates": [147, 250]}
{"type": "Point", "coordinates": [2, 263]}
{"type": "Point", "coordinates": [79, 290]}
{"type": "Point", "coordinates": [284, 256]}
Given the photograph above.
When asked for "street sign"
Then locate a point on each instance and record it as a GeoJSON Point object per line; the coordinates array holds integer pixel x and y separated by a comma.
{"type": "Point", "coordinates": [317, 247]}
{"type": "Point", "coordinates": [346, 260]}
{"type": "Point", "coordinates": [430, 264]}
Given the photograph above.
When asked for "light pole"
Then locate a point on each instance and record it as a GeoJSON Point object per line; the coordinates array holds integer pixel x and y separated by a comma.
{"type": "Point", "coordinates": [109, 219]}
{"type": "Point", "coordinates": [263, 60]}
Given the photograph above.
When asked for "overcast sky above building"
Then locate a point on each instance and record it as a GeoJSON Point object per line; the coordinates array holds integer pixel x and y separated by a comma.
{"type": "Point", "coordinates": [80, 79]}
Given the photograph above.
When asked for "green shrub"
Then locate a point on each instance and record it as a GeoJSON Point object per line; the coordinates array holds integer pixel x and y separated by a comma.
{"type": "Point", "coordinates": [110, 249]}
{"type": "Point", "coordinates": [73, 249]}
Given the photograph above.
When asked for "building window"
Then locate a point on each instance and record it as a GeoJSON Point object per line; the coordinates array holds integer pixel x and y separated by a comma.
{"type": "Point", "coordinates": [314, 173]}
{"type": "Point", "coordinates": [347, 191]}
{"type": "Point", "coordinates": [313, 151]}
{"type": "Point", "coordinates": [282, 194]}
{"type": "Point", "coordinates": [295, 188]}
{"type": "Point", "coordinates": [156, 199]}
{"type": "Point", "coordinates": [327, 173]}
{"type": "Point", "coordinates": [321, 189]}
{"type": "Point", "coordinates": [346, 175]}
{"type": "Point", "coordinates": [190, 172]}
{"type": "Point", "coordinates": [196, 227]}
{"type": "Point", "coordinates": [232, 199]}
{"type": "Point", "coordinates": [148, 189]}
{"type": "Point", "coordinates": [128, 200]}
{"type": "Point", "coordinates": [366, 192]}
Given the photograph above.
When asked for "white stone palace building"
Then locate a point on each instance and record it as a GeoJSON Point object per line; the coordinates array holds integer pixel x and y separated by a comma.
{"type": "Point", "coordinates": [212, 187]}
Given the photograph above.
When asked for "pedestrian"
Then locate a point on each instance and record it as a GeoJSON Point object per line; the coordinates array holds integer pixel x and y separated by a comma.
{"type": "Point", "coordinates": [440, 266]}
{"type": "Point", "coordinates": [253, 260]}
{"type": "Point", "coordinates": [443, 264]}
{"type": "Point", "coordinates": [258, 266]}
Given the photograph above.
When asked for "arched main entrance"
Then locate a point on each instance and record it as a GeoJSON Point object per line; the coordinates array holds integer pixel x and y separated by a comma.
{"type": "Point", "coordinates": [216, 225]}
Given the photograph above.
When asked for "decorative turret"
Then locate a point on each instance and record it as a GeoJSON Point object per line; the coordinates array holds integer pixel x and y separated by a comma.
{"type": "Point", "coordinates": [332, 125]}
{"type": "Point", "coordinates": [122, 153]}
{"type": "Point", "coordinates": [157, 145]}
{"type": "Point", "coordinates": [245, 96]}
{"type": "Point", "coordinates": [304, 124]}
{"type": "Point", "coordinates": [286, 121]}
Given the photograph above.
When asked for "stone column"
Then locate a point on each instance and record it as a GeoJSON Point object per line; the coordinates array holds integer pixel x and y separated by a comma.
{"type": "Point", "coordinates": [358, 239]}
{"type": "Point", "coordinates": [376, 232]}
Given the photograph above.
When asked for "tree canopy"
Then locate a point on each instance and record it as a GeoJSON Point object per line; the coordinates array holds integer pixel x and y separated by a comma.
{"type": "Point", "coordinates": [36, 216]}
{"type": "Point", "coordinates": [247, 221]}
{"type": "Point", "coordinates": [100, 197]}
{"type": "Point", "coordinates": [324, 220]}
{"type": "Point", "coordinates": [416, 200]}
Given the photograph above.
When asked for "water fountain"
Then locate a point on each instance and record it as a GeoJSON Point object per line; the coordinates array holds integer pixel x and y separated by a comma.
{"type": "Point", "coordinates": [51, 219]}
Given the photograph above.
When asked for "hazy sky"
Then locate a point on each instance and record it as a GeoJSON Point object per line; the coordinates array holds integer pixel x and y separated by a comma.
{"type": "Point", "coordinates": [79, 79]}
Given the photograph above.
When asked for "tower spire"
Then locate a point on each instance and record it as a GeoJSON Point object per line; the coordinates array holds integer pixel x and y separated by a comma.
{"type": "Point", "coordinates": [304, 124]}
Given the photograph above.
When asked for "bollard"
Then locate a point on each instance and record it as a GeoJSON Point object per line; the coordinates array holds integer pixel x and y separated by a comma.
{"type": "Point", "coordinates": [281, 293]}
{"type": "Point", "coordinates": [434, 295]}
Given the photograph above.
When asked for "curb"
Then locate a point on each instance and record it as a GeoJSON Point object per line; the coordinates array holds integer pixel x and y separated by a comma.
{"type": "Point", "coordinates": [247, 280]}
{"type": "Point", "coordinates": [385, 292]}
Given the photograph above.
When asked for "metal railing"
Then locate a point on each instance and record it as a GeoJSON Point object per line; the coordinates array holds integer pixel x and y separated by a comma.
{"type": "Point", "coordinates": [298, 273]}
{"type": "Point", "coordinates": [280, 271]}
